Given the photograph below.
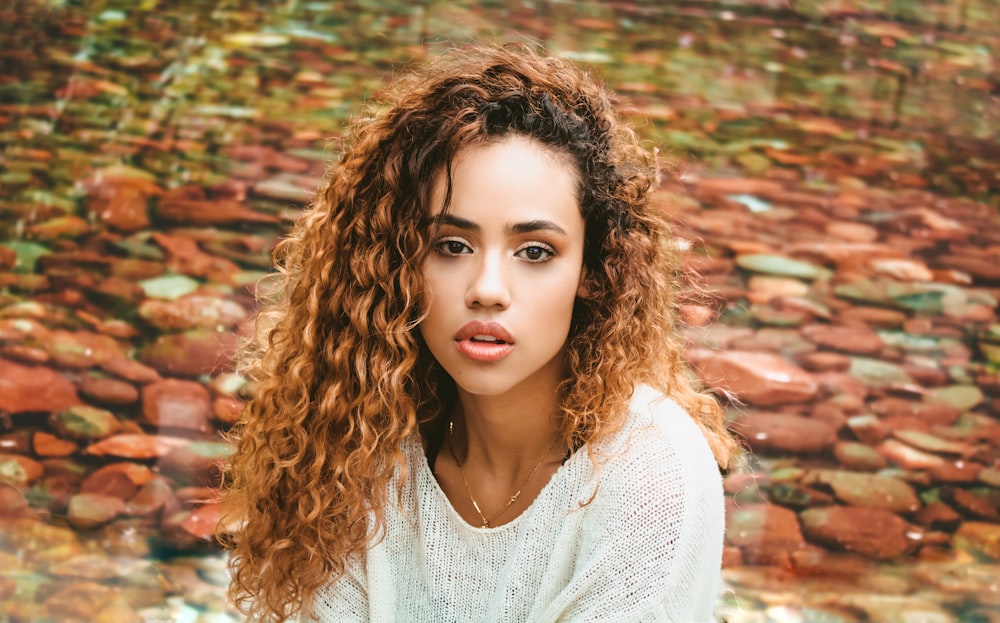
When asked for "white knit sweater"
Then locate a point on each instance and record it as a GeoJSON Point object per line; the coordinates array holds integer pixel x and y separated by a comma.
{"type": "Point", "coordinates": [648, 547]}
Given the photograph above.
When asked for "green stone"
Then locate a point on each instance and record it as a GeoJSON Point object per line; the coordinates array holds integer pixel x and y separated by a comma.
{"type": "Point", "coordinates": [877, 373]}
{"type": "Point", "coordinates": [27, 253]}
{"type": "Point", "coordinates": [962, 397]}
{"type": "Point", "coordinates": [781, 266]}
{"type": "Point", "coordinates": [169, 287]}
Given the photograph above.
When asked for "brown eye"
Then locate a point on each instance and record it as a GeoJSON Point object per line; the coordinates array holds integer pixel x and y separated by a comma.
{"type": "Point", "coordinates": [535, 253]}
{"type": "Point", "coordinates": [452, 247]}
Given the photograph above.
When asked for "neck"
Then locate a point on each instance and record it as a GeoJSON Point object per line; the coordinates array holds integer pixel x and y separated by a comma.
{"type": "Point", "coordinates": [506, 435]}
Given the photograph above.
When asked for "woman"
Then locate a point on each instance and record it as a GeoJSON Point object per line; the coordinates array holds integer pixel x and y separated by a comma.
{"type": "Point", "coordinates": [470, 399]}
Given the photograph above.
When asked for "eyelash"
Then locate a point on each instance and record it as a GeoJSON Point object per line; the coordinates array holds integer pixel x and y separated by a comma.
{"type": "Point", "coordinates": [442, 248]}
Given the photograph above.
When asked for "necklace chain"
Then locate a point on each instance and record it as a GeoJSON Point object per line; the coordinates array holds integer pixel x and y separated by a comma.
{"type": "Point", "coordinates": [468, 491]}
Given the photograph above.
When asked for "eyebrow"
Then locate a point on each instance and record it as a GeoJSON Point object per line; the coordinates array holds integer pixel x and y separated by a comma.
{"type": "Point", "coordinates": [525, 227]}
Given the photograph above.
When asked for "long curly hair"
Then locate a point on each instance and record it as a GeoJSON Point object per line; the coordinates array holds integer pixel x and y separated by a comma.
{"type": "Point", "coordinates": [340, 373]}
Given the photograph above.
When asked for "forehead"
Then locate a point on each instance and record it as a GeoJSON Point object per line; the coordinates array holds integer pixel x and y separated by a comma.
{"type": "Point", "coordinates": [512, 175]}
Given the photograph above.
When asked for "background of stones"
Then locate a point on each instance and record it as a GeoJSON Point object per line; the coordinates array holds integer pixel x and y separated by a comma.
{"type": "Point", "coordinates": [837, 202]}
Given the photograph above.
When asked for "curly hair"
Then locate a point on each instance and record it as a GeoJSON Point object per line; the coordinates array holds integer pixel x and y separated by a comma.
{"type": "Point", "coordinates": [340, 373]}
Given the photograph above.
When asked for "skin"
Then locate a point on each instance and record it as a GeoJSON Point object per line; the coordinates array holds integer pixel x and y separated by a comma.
{"type": "Point", "coordinates": [508, 250]}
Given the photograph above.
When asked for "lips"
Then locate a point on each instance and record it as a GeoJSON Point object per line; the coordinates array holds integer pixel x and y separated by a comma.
{"type": "Point", "coordinates": [484, 341]}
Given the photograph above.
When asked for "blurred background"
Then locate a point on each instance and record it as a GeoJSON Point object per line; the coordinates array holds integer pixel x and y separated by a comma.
{"type": "Point", "coordinates": [836, 194]}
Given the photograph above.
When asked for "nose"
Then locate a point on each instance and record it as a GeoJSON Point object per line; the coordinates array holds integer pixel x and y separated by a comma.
{"type": "Point", "coordinates": [488, 285]}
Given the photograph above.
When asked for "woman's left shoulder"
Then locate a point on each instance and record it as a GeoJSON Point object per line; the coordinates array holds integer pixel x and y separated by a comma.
{"type": "Point", "coordinates": [660, 441]}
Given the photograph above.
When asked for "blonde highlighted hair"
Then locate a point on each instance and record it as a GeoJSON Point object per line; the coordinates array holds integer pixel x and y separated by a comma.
{"type": "Point", "coordinates": [341, 376]}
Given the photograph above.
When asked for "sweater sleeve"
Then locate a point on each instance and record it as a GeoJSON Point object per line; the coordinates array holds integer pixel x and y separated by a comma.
{"type": "Point", "coordinates": [342, 601]}
{"type": "Point", "coordinates": [651, 543]}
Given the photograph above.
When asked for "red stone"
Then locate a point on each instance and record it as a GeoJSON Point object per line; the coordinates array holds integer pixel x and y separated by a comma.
{"type": "Point", "coordinates": [824, 361]}
{"type": "Point", "coordinates": [118, 199]}
{"type": "Point", "coordinates": [108, 391]}
{"type": "Point", "coordinates": [174, 403]}
{"type": "Point", "coordinates": [135, 446]}
{"type": "Point", "coordinates": [227, 409]}
{"type": "Point", "coordinates": [856, 340]}
{"type": "Point", "coordinates": [779, 432]}
{"type": "Point", "coordinates": [757, 378]}
{"type": "Point", "coordinates": [874, 532]}
{"type": "Point", "coordinates": [192, 353]}
{"type": "Point", "coordinates": [34, 388]}
{"type": "Point", "coordinates": [130, 370]}
{"type": "Point", "coordinates": [47, 445]}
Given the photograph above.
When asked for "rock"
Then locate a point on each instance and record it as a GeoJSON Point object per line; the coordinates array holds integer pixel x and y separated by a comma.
{"type": "Point", "coordinates": [907, 456]}
{"type": "Point", "coordinates": [758, 378]}
{"type": "Point", "coordinates": [764, 532]}
{"type": "Point", "coordinates": [934, 414]}
{"type": "Point", "coordinates": [84, 423]}
{"type": "Point", "coordinates": [937, 515]}
{"type": "Point", "coordinates": [955, 471]}
{"type": "Point", "coordinates": [185, 257]}
{"type": "Point", "coordinates": [981, 504]}
{"type": "Point", "coordinates": [858, 456]}
{"type": "Point", "coordinates": [193, 528]}
{"type": "Point", "coordinates": [878, 373]}
{"type": "Point", "coordinates": [34, 389]}
{"type": "Point", "coordinates": [198, 463]}
{"type": "Point", "coordinates": [89, 510]}
{"type": "Point", "coordinates": [769, 286]}
{"type": "Point", "coordinates": [824, 361]}
{"type": "Point", "coordinates": [875, 317]}
{"type": "Point", "coordinates": [873, 532]}
{"type": "Point", "coordinates": [931, 443]}
{"type": "Point", "coordinates": [153, 497]}
{"type": "Point", "coordinates": [779, 432]}
{"type": "Point", "coordinates": [867, 428]}
{"type": "Point", "coordinates": [135, 446]}
{"type": "Point", "coordinates": [902, 269]}
{"type": "Point", "coordinates": [130, 370]}
{"type": "Point", "coordinates": [227, 410]}
{"type": "Point", "coordinates": [118, 197]}
{"type": "Point", "coordinates": [961, 397]}
{"type": "Point", "coordinates": [867, 490]}
{"type": "Point", "coordinates": [20, 470]}
{"type": "Point", "coordinates": [120, 480]}
{"type": "Point", "coordinates": [189, 205]}
{"type": "Point", "coordinates": [169, 287]}
{"type": "Point", "coordinates": [193, 311]}
{"type": "Point", "coordinates": [48, 445]}
{"type": "Point", "coordinates": [191, 353]}
{"type": "Point", "coordinates": [175, 403]}
{"type": "Point", "coordinates": [12, 501]}
{"type": "Point", "coordinates": [981, 540]}
{"type": "Point", "coordinates": [990, 476]}
{"type": "Point", "coordinates": [108, 391]}
{"type": "Point", "coordinates": [856, 340]}
{"type": "Point", "coordinates": [781, 266]}
{"type": "Point", "coordinates": [852, 231]}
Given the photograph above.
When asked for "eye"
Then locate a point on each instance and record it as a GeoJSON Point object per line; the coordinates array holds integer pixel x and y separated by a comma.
{"type": "Point", "coordinates": [535, 253]}
{"type": "Point", "coordinates": [450, 246]}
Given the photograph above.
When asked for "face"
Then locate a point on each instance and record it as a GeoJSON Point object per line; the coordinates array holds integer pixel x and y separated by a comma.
{"type": "Point", "coordinates": [505, 269]}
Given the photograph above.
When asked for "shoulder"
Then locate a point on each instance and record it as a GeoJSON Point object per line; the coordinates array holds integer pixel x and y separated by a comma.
{"type": "Point", "coordinates": [658, 475]}
{"type": "Point", "coordinates": [660, 439]}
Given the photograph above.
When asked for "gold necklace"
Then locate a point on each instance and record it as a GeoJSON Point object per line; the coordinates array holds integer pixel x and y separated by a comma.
{"type": "Point", "coordinates": [513, 498]}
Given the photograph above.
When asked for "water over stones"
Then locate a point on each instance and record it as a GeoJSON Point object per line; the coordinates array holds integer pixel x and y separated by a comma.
{"type": "Point", "coordinates": [857, 251]}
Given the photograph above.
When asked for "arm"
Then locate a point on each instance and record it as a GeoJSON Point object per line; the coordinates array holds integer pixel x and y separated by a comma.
{"type": "Point", "coordinates": [344, 600]}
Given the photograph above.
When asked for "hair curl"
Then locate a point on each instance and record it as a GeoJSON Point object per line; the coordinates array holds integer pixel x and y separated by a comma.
{"type": "Point", "coordinates": [341, 375]}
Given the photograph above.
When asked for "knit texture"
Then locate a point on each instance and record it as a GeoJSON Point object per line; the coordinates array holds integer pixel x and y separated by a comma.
{"type": "Point", "coordinates": [648, 546]}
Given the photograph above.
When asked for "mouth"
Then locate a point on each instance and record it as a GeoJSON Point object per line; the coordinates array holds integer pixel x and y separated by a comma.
{"type": "Point", "coordinates": [487, 339]}
{"type": "Point", "coordinates": [485, 342]}
{"type": "Point", "coordinates": [481, 332]}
